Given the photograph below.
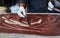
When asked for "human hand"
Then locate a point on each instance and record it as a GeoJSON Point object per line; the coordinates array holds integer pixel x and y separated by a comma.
{"type": "Point", "coordinates": [21, 12]}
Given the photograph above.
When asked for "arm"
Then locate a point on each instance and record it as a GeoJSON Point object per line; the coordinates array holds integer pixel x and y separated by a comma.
{"type": "Point", "coordinates": [50, 5]}
{"type": "Point", "coordinates": [21, 12]}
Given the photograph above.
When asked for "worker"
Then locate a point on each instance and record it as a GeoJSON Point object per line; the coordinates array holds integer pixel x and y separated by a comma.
{"type": "Point", "coordinates": [34, 6]}
{"type": "Point", "coordinates": [37, 6]}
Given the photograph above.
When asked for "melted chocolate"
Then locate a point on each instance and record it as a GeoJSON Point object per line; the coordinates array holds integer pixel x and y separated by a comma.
{"type": "Point", "coordinates": [50, 25]}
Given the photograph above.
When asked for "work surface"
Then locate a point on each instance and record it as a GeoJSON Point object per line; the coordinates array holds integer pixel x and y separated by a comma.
{"type": "Point", "coordinates": [41, 24]}
{"type": "Point", "coordinates": [12, 35]}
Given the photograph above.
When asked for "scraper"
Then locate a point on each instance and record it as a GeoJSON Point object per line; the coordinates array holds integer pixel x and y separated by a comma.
{"type": "Point", "coordinates": [22, 13]}
{"type": "Point", "coordinates": [26, 18]}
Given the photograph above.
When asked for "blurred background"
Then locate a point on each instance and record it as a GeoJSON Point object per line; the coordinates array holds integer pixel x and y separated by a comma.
{"type": "Point", "coordinates": [6, 4]}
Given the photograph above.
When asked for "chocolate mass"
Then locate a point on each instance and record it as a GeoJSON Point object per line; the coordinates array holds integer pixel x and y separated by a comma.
{"type": "Point", "coordinates": [49, 26]}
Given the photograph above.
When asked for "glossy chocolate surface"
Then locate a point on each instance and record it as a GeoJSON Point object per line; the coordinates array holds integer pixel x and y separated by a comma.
{"type": "Point", "coordinates": [50, 25]}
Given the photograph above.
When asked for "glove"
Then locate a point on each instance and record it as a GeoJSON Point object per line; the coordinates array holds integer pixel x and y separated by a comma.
{"type": "Point", "coordinates": [21, 12]}
{"type": "Point", "coordinates": [50, 6]}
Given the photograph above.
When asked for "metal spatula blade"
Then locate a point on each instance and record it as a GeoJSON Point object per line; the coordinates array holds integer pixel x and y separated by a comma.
{"type": "Point", "coordinates": [26, 18]}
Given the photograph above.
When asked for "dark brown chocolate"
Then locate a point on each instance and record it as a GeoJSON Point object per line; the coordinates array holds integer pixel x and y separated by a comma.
{"type": "Point", "coordinates": [50, 25]}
